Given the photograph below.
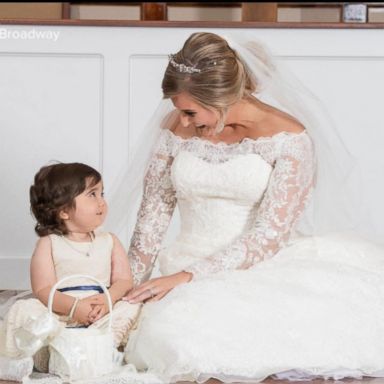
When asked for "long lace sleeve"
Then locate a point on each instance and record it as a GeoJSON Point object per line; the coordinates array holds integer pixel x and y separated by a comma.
{"type": "Point", "coordinates": [288, 190]}
{"type": "Point", "coordinates": [156, 209]}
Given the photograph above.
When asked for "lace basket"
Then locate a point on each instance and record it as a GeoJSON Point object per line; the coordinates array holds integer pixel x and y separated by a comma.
{"type": "Point", "coordinates": [80, 353]}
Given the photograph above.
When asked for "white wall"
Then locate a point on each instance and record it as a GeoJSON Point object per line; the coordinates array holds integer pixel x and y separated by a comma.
{"type": "Point", "coordinates": [86, 96]}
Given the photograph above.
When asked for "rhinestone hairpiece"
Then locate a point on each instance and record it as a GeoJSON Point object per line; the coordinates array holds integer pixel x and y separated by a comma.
{"type": "Point", "coordinates": [182, 67]}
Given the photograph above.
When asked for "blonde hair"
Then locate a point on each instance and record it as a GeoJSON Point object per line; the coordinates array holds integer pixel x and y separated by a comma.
{"type": "Point", "coordinates": [223, 79]}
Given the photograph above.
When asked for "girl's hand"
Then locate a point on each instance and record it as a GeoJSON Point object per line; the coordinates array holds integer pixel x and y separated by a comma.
{"type": "Point", "coordinates": [82, 310]}
{"type": "Point", "coordinates": [156, 289]}
{"type": "Point", "coordinates": [98, 312]}
{"type": "Point", "coordinates": [99, 304]}
{"type": "Point", "coordinates": [98, 299]}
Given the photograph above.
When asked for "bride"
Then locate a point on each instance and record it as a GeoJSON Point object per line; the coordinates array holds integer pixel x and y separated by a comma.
{"type": "Point", "coordinates": [258, 282]}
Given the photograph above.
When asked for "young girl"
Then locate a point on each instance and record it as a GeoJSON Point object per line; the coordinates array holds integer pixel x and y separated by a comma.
{"type": "Point", "coordinates": [68, 203]}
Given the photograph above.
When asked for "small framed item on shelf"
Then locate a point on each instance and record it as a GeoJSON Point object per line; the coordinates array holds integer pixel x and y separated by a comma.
{"type": "Point", "coordinates": [355, 13]}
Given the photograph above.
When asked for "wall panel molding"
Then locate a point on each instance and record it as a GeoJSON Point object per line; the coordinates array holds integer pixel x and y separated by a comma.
{"type": "Point", "coordinates": [98, 86]}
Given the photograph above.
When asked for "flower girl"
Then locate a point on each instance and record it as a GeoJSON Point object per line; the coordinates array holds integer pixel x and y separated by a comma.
{"type": "Point", "coordinates": [68, 204]}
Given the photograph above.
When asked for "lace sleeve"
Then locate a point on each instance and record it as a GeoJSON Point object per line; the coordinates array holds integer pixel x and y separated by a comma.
{"type": "Point", "coordinates": [156, 209]}
{"type": "Point", "coordinates": [288, 190]}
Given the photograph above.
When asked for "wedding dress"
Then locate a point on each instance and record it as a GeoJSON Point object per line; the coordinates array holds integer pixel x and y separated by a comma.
{"type": "Point", "coordinates": [264, 300]}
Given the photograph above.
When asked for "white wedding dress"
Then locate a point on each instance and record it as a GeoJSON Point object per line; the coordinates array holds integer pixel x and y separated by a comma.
{"type": "Point", "coordinates": [264, 300]}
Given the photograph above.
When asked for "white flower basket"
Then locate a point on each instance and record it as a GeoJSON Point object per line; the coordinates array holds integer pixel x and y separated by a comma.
{"type": "Point", "coordinates": [82, 353]}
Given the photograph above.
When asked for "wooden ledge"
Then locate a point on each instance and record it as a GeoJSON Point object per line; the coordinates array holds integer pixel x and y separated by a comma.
{"type": "Point", "coordinates": [191, 24]}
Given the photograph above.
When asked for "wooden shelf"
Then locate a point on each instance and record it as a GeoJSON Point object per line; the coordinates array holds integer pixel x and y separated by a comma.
{"type": "Point", "coordinates": [192, 24]}
{"type": "Point", "coordinates": [155, 14]}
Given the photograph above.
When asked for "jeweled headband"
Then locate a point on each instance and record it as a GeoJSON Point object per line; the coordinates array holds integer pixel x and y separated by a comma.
{"type": "Point", "coordinates": [182, 67]}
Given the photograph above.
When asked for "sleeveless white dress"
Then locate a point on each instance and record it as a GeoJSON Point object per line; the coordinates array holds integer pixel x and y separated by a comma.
{"type": "Point", "coordinates": [263, 300]}
{"type": "Point", "coordinates": [23, 317]}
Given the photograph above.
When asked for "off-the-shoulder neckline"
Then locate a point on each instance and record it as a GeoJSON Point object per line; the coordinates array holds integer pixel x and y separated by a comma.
{"type": "Point", "coordinates": [245, 140]}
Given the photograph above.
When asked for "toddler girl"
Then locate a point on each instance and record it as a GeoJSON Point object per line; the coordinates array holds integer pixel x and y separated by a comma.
{"type": "Point", "coordinates": [68, 203]}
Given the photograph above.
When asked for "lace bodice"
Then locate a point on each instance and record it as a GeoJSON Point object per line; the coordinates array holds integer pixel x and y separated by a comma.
{"type": "Point", "coordinates": [238, 202]}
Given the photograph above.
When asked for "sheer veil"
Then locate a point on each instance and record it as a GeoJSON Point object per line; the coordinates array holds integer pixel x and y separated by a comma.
{"type": "Point", "coordinates": [336, 201]}
{"type": "Point", "coordinates": [125, 194]}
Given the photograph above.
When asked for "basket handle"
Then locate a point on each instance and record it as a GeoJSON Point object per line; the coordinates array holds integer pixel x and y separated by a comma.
{"type": "Point", "coordinates": [103, 287]}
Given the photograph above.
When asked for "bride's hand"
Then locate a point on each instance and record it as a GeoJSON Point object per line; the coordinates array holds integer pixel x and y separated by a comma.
{"type": "Point", "coordinates": [156, 289]}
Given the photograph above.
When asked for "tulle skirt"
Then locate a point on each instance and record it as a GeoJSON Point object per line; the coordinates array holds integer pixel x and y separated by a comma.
{"type": "Point", "coordinates": [316, 309]}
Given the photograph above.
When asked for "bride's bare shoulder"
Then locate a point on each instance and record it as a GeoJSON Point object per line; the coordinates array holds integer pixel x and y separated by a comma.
{"type": "Point", "coordinates": [266, 120]}
{"type": "Point", "coordinates": [282, 121]}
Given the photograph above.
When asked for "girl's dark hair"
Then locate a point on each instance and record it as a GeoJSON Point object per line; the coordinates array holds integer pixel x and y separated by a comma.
{"type": "Point", "coordinates": [54, 189]}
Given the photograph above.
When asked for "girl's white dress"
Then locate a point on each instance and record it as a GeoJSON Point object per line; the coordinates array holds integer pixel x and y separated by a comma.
{"type": "Point", "coordinates": [69, 258]}
{"type": "Point", "coordinates": [263, 300]}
